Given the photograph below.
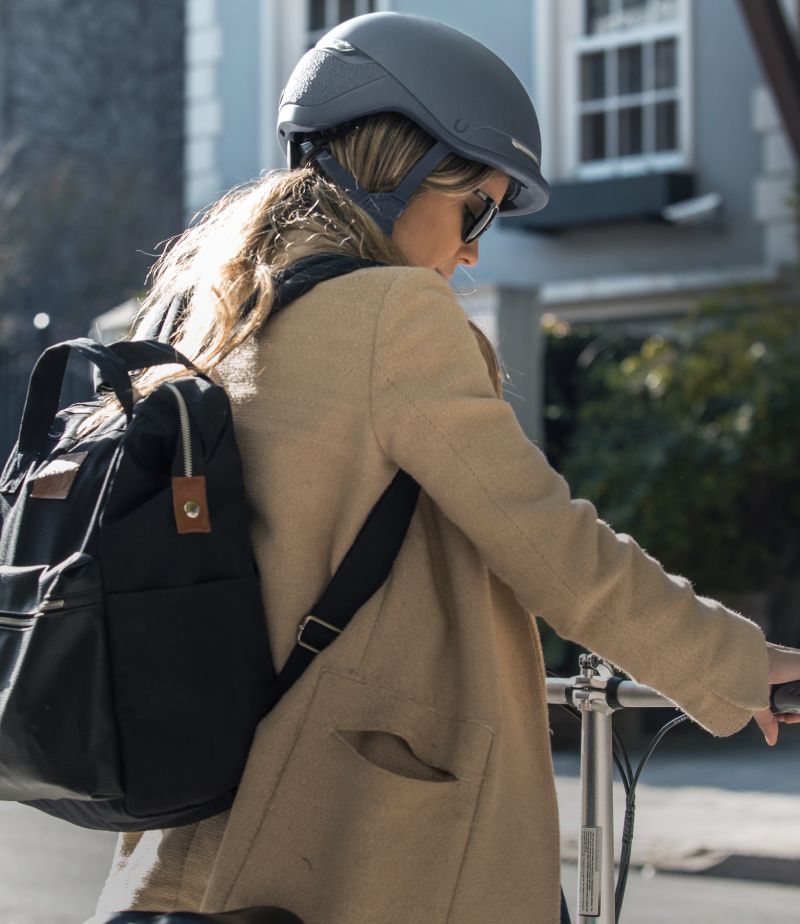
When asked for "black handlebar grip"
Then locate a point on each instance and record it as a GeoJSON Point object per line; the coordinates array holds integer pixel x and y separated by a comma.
{"type": "Point", "coordinates": [785, 697]}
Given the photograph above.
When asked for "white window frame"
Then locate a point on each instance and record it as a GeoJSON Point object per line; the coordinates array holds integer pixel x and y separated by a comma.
{"type": "Point", "coordinates": [645, 36]}
{"type": "Point", "coordinates": [285, 37]}
{"type": "Point", "coordinates": [560, 40]}
{"type": "Point", "coordinates": [333, 16]}
{"type": "Point", "coordinates": [203, 106]}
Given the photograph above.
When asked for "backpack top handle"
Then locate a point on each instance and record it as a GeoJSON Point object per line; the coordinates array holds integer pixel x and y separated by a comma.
{"type": "Point", "coordinates": [115, 364]}
{"type": "Point", "coordinates": [44, 388]}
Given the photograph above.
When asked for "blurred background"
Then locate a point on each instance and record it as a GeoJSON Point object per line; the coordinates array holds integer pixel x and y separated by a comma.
{"type": "Point", "coordinates": [648, 318]}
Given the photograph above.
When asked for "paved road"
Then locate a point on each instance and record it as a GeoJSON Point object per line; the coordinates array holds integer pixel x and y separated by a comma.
{"type": "Point", "coordinates": [729, 808]}
{"type": "Point", "coordinates": [50, 872]}
{"type": "Point", "coordinates": [677, 899]}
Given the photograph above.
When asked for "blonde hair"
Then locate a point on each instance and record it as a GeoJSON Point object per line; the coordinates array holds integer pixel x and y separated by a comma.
{"type": "Point", "coordinates": [226, 263]}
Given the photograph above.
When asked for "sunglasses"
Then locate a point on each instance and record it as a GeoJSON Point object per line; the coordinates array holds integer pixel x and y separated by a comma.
{"type": "Point", "coordinates": [475, 225]}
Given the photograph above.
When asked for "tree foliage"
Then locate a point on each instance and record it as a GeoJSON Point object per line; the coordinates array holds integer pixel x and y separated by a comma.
{"type": "Point", "coordinates": [688, 440]}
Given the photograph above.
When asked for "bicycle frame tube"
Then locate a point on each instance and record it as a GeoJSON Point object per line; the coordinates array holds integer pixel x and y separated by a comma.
{"type": "Point", "coordinates": [596, 847]}
{"type": "Point", "coordinates": [587, 692]}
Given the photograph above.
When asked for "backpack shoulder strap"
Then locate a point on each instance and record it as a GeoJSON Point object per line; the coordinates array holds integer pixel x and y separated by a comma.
{"type": "Point", "coordinates": [297, 279]}
{"type": "Point", "coordinates": [362, 572]}
{"type": "Point", "coordinates": [367, 564]}
{"type": "Point", "coordinates": [302, 276]}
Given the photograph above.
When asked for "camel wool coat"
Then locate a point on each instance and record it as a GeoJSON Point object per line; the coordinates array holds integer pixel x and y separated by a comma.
{"type": "Point", "coordinates": [407, 777]}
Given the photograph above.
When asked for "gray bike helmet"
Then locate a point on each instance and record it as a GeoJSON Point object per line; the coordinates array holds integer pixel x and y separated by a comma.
{"type": "Point", "coordinates": [450, 85]}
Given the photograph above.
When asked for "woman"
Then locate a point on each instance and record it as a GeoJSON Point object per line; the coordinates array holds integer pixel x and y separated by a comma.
{"type": "Point", "coordinates": [407, 776]}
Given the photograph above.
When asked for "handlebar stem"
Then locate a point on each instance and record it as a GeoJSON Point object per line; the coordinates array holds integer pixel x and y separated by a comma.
{"type": "Point", "coordinates": [596, 847]}
{"type": "Point", "coordinates": [588, 692]}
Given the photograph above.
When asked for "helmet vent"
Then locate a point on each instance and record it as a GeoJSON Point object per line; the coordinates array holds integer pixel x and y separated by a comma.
{"type": "Point", "coordinates": [322, 77]}
{"type": "Point", "coordinates": [525, 150]}
{"type": "Point", "coordinates": [336, 45]}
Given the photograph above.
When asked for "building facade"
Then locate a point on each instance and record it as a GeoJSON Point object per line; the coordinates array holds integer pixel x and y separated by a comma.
{"type": "Point", "coordinates": [671, 174]}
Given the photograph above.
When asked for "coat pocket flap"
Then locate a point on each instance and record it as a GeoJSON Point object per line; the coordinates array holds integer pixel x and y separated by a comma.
{"type": "Point", "coordinates": [349, 704]}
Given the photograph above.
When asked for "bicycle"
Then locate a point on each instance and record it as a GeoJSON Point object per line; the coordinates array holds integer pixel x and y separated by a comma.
{"type": "Point", "coordinates": [594, 695]}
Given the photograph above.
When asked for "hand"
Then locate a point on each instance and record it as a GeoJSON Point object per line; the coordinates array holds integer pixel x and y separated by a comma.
{"type": "Point", "coordinates": [784, 665]}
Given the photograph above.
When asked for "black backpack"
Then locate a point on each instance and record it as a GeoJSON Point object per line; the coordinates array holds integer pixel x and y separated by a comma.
{"type": "Point", "coordinates": [134, 657]}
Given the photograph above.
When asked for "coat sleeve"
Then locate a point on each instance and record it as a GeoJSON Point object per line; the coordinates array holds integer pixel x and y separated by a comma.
{"type": "Point", "coordinates": [434, 413]}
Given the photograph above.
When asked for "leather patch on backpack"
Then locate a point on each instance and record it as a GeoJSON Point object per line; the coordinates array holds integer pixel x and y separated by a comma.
{"type": "Point", "coordinates": [190, 505]}
{"type": "Point", "coordinates": [54, 481]}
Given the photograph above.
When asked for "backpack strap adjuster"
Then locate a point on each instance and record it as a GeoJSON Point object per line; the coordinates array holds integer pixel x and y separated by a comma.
{"type": "Point", "coordinates": [319, 640]}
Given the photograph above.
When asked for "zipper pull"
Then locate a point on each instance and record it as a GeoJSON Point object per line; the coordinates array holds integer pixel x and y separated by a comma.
{"type": "Point", "coordinates": [189, 502]}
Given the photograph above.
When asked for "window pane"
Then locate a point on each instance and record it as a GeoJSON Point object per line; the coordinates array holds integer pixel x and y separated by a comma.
{"type": "Point", "coordinates": [593, 75]}
{"type": "Point", "coordinates": [593, 136]}
{"type": "Point", "coordinates": [667, 10]}
{"type": "Point", "coordinates": [667, 126]}
{"type": "Point", "coordinates": [630, 131]}
{"type": "Point", "coordinates": [614, 15]}
{"type": "Point", "coordinates": [597, 16]}
{"type": "Point", "coordinates": [666, 64]}
{"type": "Point", "coordinates": [347, 9]}
{"type": "Point", "coordinates": [629, 69]}
{"type": "Point", "coordinates": [316, 15]}
{"type": "Point", "coordinates": [635, 12]}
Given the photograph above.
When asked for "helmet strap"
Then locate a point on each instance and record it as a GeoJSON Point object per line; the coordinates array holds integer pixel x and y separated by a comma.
{"type": "Point", "coordinates": [383, 207]}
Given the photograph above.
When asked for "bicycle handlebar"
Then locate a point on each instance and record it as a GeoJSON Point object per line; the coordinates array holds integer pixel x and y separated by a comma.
{"type": "Point", "coordinates": [785, 697]}
{"type": "Point", "coordinates": [627, 693]}
{"type": "Point", "coordinates": [597, 694]}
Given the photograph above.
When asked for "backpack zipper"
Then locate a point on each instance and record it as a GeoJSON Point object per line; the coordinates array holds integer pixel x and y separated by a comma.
{"type": "Point", "coordinates": [17, 623]}
{"type": "Point", "coordinates": [186, 436]}
{"type": "Point", "coordinates": [71, 602]}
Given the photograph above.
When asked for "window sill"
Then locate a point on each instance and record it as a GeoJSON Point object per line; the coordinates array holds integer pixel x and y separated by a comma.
{"type": "Point", "coordinates": [579, 204]}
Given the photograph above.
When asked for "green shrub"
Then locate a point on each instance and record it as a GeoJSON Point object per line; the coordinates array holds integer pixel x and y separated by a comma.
{"type": "Point", "coordinates": [689, 440]}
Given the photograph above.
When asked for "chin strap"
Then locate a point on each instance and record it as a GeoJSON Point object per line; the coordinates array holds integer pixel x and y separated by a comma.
{"type": "Point", "coordinates": [383, 207]}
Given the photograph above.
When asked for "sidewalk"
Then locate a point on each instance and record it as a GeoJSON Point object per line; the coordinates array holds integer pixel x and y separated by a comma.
{"type": "Point", "coordinates": [726, 808]}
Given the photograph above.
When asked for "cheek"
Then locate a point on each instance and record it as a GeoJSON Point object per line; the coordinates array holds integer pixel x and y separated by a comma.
{"type": "Point", "coordinates": [416, 238]}
{"type": "Point", "coordinates": [429, 233]}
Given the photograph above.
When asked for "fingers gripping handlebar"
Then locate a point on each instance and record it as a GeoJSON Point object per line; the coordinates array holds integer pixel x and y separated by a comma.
{"type": "Point", "coordinates": [785, 698]}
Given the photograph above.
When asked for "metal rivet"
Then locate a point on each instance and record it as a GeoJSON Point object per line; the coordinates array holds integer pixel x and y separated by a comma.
{"type": "Point", "coordinates": [192, 509]}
